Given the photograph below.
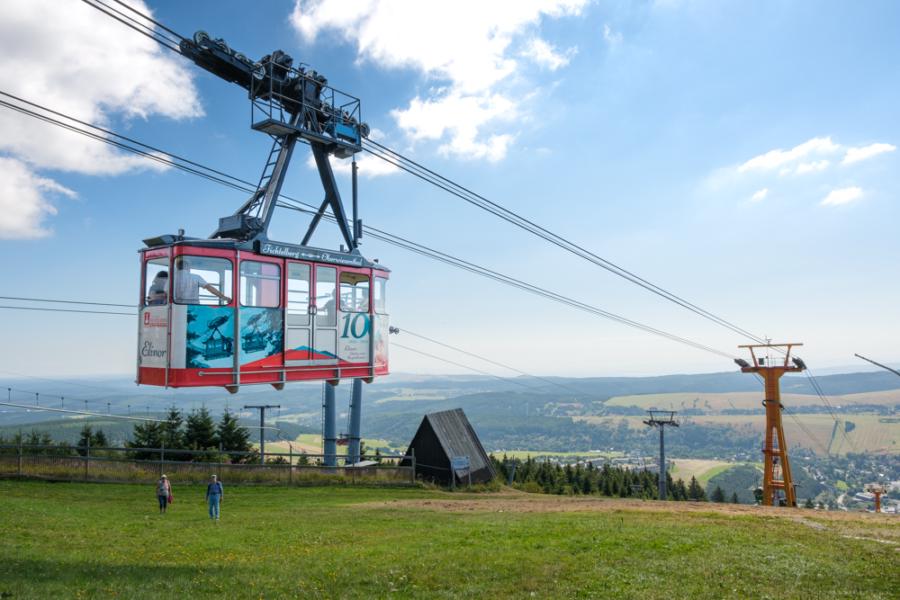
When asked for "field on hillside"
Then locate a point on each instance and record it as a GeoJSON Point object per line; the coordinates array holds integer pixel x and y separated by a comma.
{"type": "Point", "coordinates": [869, 432]}
{"type": "Point", "coordinates": [719, 401]}
{"type": "Point", "coordinates": [77, 540]}
{"type": "Point", "coordinates": [685, 468]}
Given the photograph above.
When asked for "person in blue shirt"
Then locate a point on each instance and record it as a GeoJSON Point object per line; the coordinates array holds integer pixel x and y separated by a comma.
{"type": "Point", "coordinates": [214, 495]}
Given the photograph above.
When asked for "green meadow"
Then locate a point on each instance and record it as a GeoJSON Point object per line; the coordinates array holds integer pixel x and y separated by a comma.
{"type": "Point", "coordinates": [103, 541]}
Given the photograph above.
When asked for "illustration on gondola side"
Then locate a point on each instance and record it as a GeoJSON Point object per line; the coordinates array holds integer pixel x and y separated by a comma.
{"type": "Point", "coordinates": [238, 308]}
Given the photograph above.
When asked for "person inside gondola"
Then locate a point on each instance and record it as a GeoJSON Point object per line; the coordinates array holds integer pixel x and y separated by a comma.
{"type": "Point", "coordinates": [157, 293]}
{"type": "Point", "coordinates": [187, 284]}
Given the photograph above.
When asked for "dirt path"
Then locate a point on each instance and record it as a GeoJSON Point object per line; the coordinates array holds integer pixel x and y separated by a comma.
{"type": "Point", "coordinates": [520, 502]}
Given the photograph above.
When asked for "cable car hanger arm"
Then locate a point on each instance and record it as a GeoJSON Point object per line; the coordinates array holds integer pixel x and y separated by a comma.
{"type": "Point", "coordinates": [288, 104]}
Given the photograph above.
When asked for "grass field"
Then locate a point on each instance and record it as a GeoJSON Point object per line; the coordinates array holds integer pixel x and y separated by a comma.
{"type": "Point", "coordinates": [82, 540]}
{"type": "Point", "coordinates": [703, 470]}
{"type": "Point", "coordinates": [717, 402]}
{"type": "Point", "coordinates": [538, 455]}
{"type": "Point", "coordinates": [311, 443]}
{"type": "Point", "coordinates": [871, 433]}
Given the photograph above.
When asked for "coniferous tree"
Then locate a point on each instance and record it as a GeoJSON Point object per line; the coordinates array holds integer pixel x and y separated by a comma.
{"type": "Point", "coordinates": [809, 503]}
{"type": "Point", "coordinates": [718, 495]}
{"type": "Point", "coordinates": [145, 435]}
{"type": "Point", "coordinates": [234, 437]}
{"type": "Point", "coordinates": [695, 491]}
{"type": "Point", "coordinates": [171, 432]}
{"type": "Point", "coordinates": [85, 439]}
{"type": "Point", "coordinates": [734, 498]}
{"type": "Point", "coordinates": [98, 440]}
{"type": "Point", "coordinates": [200, 433]}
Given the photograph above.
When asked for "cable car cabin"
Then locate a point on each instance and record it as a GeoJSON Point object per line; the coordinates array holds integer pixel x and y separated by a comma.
{"type": "Point", "coordinates": [226, 313]}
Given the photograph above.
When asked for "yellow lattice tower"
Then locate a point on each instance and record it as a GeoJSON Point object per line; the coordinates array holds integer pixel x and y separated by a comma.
{"type": "Point", "coordinates": [777, 468]}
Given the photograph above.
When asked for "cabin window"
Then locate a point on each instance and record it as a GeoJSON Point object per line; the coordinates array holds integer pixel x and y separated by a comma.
{"type": "Point", "coordinates": [354, 292]}
{"type": "Point", "coordinates": [202, 280]}
{"type": "Point", "coordinates": [260, 284]}
{"type": "Point", "coordinates": [378, 293]}
{"type": "Point", "coordinates": [298, 294]}
{"type": "Point", "coordinates": [326, 313]}
{"type": "Point", "coordinates": [156, 282]}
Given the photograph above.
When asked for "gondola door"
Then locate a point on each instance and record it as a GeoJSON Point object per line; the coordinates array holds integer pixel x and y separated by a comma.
{"type": "Point", "coordinates": [326, 317]}
{"type": "Point", "coordinates": [298, 338]}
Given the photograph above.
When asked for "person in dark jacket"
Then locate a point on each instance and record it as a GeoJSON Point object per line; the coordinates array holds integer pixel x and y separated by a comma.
{"type": "Point", "coordinates": [214, 495]}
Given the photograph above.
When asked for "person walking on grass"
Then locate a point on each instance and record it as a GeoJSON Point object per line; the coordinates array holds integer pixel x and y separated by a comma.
{"type": "Point", "coordinates": [163, 493]}
{"type": "Point", "coordinates": [214, 495]}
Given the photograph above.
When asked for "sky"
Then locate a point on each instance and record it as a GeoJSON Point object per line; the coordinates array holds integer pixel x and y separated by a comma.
{"type": "Point", "coordinates": [741, 155]}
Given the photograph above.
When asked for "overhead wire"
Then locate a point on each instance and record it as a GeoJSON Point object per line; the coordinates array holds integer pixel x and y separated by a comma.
{"type": "Point", "coordinates": [398, 160]}
{"type": "Point", "coordinates": [410, 166]}
{"type": "Point", "coordinates": [468, 367]}
{"type": "Point", "coordinates": [824, 398]}
{"type": "Point", "coordinates": [192, 167]}
{"type": "Point", "coordinates": [494, 362]}
{"type": "Point", "coordinates": [402, 162]}
{"type": "Point", "coordinates": [134, 24]}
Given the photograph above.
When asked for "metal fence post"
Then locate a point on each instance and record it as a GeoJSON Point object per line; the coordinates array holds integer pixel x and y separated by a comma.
{"type": "Point", "coordinates": [290, 465]}
{"type": "Point", "coordinates": [87, 458]}
{"type": "Point", "coordinates": [19, 459]}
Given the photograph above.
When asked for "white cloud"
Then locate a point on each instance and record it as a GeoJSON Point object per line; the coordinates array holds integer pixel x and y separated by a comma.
{"type": "Point", "coordinates": [469, 48]}
{"type": "Point", "coordinates": [72, 58]}
{"type": "Point", "coordinates": [435, 119]}
{"type": "Point", "coordinates": [842, 196]}
{"type": "Point", "coordinates": [865, 152]}
{"type": "Point", "coordinates": [812, 167]}
{"type": "Point", "coordinates": [545, 55]}
{"type": "Point", "coordinates": [774, 159]}
{"type": "Point", "coordinates": [368, 166]}
{"type": "Point", "coordinates": [613, 38]}
{"type": "Point", "coordinates": [759, 195]}
{"type": "Point", "coordinates": [23, 200]}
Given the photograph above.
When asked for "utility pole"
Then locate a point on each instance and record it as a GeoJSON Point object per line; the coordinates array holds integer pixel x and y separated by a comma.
{"type": "Point", "coordinates": [262, 427]}
{"type": "Point", "coordinates": [777, 469]}
{"type": "Point", "coordinates": [661, 419]}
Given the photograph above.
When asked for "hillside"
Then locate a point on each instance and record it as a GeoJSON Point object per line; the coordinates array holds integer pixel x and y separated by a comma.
{"type": "Point", "coordinates": [107, 540]}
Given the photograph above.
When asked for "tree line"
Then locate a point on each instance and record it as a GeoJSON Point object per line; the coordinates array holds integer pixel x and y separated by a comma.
{"type": "Point", "coordinates": [549, 477]}
{"type": "Point", "coordinates": [197, 432]}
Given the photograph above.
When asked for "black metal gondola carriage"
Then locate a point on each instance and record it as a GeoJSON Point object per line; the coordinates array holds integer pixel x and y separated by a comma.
{"type": "Point", "coordinates": [238, 308]}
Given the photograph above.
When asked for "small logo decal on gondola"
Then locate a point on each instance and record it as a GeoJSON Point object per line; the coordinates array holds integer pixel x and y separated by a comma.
{"type": "Point", "coordinates": [151, 321]}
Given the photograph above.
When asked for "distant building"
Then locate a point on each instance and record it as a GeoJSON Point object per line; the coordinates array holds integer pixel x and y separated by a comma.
{"type": "Point", "coordinates": [443, 436]}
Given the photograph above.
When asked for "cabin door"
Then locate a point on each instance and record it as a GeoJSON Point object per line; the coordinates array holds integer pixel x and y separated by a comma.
{"type": "Point", "coordinates": [298, 341]}
{"type": "Point", "coordinates": [326, 318]}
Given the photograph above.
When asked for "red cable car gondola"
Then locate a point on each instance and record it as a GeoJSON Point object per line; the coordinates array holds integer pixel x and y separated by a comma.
{"type": "Point", "coordinates": [238, 308]}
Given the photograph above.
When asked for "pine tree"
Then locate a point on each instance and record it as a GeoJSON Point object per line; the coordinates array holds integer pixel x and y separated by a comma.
{"type": "Point", "coordinates": [85, 439]}
{"type": "Point", "coordinates": [145, 435]}
{"type": "Point", "coordinates": [695, 491]}
{"type": "Point", "coordinates": [718, 495]}
{"type": "Point", "coordinates": [98, 440]}
{"type": "Point", "coordinates": [809, 503]}
{"type": "Point", "coordinates": [734, 498]}
{"type": "Point", "coordinates": [234, 437]}
{"type": "Point", "coordinates": [200, 433]}
{"type": "Point", "coordinates": [171, 431]}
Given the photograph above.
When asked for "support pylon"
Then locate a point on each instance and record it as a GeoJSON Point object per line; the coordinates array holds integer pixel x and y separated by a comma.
{"type": "Point", "coordinates": [778, 485]}
{"type": "Point", "coordinates": [877, 490]}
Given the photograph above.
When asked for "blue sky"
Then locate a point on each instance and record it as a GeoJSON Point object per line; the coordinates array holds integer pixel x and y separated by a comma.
{"type": "Point", "coordinates": [741, 155]}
